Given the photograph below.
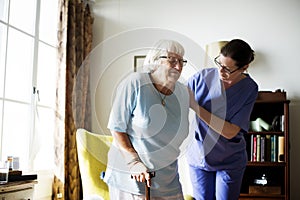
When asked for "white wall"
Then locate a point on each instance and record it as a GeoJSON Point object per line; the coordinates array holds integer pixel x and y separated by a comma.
{"type": "Point", "coordinates": [272, 27]}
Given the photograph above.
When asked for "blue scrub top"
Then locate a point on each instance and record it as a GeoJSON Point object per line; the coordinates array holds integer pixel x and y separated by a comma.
{"type": "Point", "coordinates": [211, 151]}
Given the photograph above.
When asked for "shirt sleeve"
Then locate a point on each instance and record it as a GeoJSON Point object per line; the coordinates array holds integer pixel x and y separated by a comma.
{"type": "Point", "coordinates": [123, 105]}
{"type": "Point", "coordinates": [242, 117]}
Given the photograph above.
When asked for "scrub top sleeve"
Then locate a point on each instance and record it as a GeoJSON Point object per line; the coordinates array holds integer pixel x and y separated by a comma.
{"type": "Point", "coordinates": [242, 117]}
{"type": "Point", "coordinates": [192, 81]}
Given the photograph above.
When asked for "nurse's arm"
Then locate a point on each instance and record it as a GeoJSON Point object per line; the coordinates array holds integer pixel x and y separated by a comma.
{"type": "Point", "coordinates": [224, 128]}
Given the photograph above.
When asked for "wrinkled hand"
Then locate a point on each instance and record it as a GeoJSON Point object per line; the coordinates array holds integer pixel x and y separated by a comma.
{"type": "Point", "coordinates": [140, 173]}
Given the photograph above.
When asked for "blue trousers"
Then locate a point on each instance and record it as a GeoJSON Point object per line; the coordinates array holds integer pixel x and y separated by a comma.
{"type": "Point", "coordinates": [216, 185]}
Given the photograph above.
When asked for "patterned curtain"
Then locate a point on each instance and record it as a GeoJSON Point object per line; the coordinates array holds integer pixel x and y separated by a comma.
{"type": "Point", "coordinates": [73, 95]}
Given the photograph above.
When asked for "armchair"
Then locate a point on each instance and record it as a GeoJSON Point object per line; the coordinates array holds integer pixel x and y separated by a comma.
{"type": "Point", "coordinates": [92, 156]}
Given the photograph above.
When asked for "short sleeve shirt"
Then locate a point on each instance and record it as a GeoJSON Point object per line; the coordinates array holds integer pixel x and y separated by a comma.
{"type": "Point", "coordinates": [155, 131]}
{"type": "Point", "coordinates": [210, 150]}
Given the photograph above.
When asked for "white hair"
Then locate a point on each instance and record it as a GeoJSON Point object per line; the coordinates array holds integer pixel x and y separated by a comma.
{"type": "Point", "coordinates": [161, 48]}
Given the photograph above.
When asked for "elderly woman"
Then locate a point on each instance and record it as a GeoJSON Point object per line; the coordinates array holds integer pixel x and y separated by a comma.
{"type": "Point", "coordinates": [149, 121]}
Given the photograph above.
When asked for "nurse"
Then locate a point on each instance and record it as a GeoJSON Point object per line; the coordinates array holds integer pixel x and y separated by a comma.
{"type": "Point", "coordinates": [223, 99]}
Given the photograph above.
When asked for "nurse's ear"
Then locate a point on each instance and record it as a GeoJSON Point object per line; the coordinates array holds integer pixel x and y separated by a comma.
{"type": "Point", "coordinates": [245, 68]}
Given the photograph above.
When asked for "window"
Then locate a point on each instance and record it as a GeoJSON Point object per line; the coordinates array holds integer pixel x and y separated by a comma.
{"type": "Point", "coordinates": [28, 32]}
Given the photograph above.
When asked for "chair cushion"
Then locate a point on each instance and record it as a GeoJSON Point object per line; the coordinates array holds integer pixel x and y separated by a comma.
{"type": "Point", "coordinates": [92, 156]}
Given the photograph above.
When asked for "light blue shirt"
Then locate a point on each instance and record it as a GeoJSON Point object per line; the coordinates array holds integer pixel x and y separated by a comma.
{"type": "Point", "coordinates": [155, 131]}
{"type": "Point", "coordinates": [210, 150]}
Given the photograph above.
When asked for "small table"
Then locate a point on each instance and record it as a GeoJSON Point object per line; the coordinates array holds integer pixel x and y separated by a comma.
{"type": "Point", "coordinates": [17, 190]}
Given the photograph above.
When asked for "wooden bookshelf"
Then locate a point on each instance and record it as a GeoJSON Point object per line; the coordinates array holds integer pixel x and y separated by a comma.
{"type": "Point", "coordinates": [273, 109]}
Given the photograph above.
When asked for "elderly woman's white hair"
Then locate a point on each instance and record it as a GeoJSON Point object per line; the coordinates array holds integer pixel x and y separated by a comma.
{"type": "Point", "coordinates": [161, 48]}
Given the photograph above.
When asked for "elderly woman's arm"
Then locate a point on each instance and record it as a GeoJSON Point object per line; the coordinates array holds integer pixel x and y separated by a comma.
{"type": "Point", "coordinates": [138, 170]}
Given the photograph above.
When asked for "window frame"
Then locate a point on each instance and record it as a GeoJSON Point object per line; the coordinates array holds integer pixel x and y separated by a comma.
{"type": "Point", "coordinates": [34, 103]}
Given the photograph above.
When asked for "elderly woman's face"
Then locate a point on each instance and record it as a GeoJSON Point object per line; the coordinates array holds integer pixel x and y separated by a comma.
{"type": "Point", "coordinates": [173, 64]}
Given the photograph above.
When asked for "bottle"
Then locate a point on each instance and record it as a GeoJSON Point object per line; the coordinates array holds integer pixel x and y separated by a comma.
{"type": "Point", "coordinates": [10, 162]}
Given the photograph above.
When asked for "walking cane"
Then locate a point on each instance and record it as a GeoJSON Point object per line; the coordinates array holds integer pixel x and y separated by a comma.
{"type": "Point", "coordinates": [147, 189]}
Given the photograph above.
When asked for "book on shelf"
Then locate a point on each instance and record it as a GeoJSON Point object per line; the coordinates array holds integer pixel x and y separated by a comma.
{"type": "Point", "coordinates": [274, 150]}
{"type": "Point", "coordinates": [258, 148]}
{"type": "Point", "coordinates": [280, 149]}
{"type": "Point", "coordinates": [266, 148]}
{"type": "Point", "coordinates": [262, 148]}
{"type": "Point", "coordinates": [254, 149]}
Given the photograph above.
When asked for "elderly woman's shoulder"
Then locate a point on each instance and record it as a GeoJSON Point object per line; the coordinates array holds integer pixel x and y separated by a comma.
{"type": "Point", "coordinates": [136, 77]}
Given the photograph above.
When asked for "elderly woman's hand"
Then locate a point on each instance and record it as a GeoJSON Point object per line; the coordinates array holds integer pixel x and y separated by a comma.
{"type": "Point", "coordinates": [140, 173]}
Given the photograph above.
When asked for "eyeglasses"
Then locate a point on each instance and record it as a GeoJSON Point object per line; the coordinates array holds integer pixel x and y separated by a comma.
{"type": "Point", "coordinates": [174, 61]}
{"type": "Point", "coordinates": [226, 69]}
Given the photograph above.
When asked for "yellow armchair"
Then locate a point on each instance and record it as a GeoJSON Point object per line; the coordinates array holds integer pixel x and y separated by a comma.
{"type": "Point", "coordinates": [92, 156]}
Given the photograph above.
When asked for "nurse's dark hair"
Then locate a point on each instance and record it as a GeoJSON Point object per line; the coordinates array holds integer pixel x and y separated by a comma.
{"type": "Point", "coordinates": [238, 50]}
